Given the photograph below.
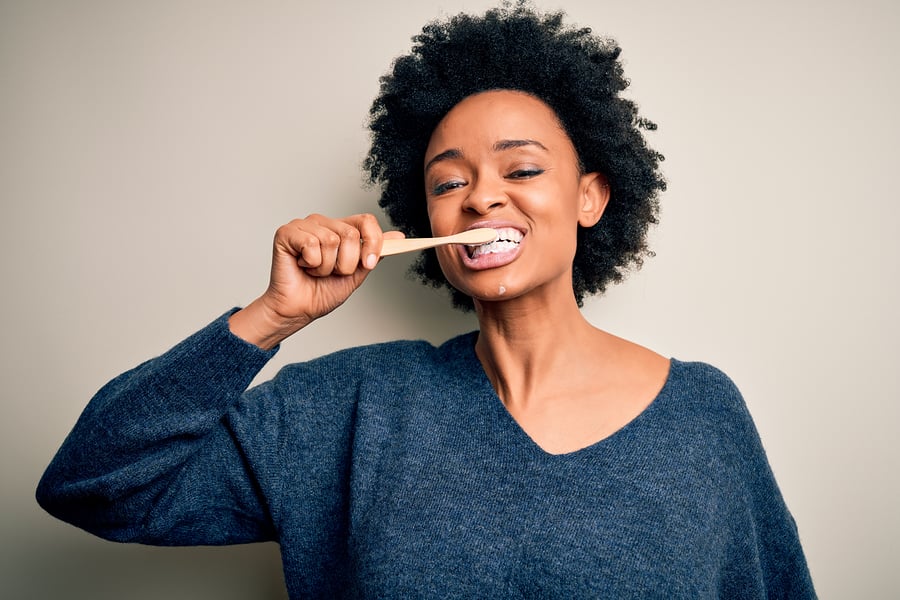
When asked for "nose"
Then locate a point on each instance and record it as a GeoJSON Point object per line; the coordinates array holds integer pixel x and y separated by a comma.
{"type": "Point", "coordinates": [484, 196]}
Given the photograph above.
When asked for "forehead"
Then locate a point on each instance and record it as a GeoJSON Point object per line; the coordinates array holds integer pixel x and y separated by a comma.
{"type": "Point", "coordinates": [487, 117]}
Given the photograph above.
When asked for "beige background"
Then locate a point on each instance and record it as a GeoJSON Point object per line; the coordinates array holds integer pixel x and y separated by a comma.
{"type": "Point", "coordinates": [148, 150]}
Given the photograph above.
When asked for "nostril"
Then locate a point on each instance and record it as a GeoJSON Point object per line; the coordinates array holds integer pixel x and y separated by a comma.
{"type": "Point", "coordinates": [482, 204]}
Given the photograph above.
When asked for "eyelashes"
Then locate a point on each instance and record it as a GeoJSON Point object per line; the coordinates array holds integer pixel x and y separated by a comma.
{"type": "Point", "coordinates": [443, 188]}
{"type": "Point", "coordinates": [525, 173]}
{"type": "Point", "coordinates": [516, 175]}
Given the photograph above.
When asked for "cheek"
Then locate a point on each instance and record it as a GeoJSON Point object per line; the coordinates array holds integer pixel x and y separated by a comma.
{"type": "Point", "coordinates": [436, 220]}
{"type": "Point", "coordinates": [567, 242]}
{"type": "Point", "coordinates": [447, 260]}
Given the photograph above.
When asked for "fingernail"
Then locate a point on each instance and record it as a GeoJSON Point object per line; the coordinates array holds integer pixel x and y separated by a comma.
{"type": "Point", "coordinates": [371, 261]}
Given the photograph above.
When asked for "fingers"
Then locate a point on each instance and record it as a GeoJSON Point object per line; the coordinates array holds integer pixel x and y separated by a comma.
{"type": "Point", "coordinates": [317, 263]}
{"type": "Point", "coordinates": [323, 246]}
{"type": "Point", "coordinates": [371, 237]}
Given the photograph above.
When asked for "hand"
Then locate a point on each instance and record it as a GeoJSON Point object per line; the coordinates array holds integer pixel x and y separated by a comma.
{"type": "Point", "coordinates": [317, 262]}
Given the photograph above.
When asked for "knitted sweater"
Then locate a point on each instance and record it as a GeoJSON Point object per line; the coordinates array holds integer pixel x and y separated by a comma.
{"type": "Point", "coordinates": [394, 471]}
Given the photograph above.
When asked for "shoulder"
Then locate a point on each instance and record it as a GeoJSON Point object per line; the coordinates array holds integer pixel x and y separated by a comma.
{"type": "Point", "coordinates": [383, 360]}
{"type": "Point", "coordinates": [703, 383]}
{"type": "Point", "coordinates": [330, 388]}
{"type": "Point", "coordinates": [707, 395]}
{"type": "Point", "coordinates": [402, 352]}
{"type": "Point", "coordinates": [709, 398]}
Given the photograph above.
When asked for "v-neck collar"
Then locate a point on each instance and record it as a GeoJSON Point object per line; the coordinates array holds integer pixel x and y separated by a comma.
{"type": "Point", "coordinates": [493, 406]}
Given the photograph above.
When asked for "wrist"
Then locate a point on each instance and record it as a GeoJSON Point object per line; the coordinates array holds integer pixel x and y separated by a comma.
{"type": "Point", "coordinates": [259, 325]}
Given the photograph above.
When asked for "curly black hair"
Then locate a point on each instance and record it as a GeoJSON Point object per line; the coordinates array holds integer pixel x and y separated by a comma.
{"type": "Point", "coordinates": [576, 73]}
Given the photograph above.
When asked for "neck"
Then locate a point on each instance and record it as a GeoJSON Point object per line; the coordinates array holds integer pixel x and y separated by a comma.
{"type": "Point", "coordinates": [528, 348]}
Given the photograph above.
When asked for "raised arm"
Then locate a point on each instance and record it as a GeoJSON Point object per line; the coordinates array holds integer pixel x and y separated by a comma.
{"type": "Point", "coordinates": [153, 458]}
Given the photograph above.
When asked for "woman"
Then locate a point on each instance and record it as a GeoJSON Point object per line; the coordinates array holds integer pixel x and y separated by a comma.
{"type": "Point", "coordinates": [536, 457]}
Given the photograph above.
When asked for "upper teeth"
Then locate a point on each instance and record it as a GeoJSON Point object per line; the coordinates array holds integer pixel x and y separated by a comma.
{"type": "Point", "coordinates": [507, 239]}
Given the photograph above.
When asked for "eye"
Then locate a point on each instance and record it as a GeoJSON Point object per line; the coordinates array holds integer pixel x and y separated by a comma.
{"type": "Point", "coordinates": [526, 173]}
{"type": "Point", "coordinates": [446, 186]}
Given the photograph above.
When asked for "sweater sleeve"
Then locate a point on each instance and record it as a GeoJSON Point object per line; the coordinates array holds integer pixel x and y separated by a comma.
{"type": "Point", "coordinates": [766, 554]}
{"type": "Point", "coordinates": [152, 458]}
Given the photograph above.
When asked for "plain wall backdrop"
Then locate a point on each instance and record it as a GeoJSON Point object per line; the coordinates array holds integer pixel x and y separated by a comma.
{"type": "Point", "coordinates": [149, 150]}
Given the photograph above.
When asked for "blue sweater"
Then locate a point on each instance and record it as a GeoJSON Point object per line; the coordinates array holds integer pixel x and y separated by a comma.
{"type": "Point", "coordinates": [394, 471]}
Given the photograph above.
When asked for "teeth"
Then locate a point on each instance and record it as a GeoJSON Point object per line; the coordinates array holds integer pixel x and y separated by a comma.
{"type": "Point", "coordinates": [507, 239]}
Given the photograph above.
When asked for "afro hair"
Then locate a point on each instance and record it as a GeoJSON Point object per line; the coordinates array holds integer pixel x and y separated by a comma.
{"type": "Point", "coordinates": [576, 73]}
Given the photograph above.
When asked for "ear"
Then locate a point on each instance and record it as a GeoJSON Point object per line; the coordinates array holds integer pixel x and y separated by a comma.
{"type": "Point", "coordinates": [594, 196]}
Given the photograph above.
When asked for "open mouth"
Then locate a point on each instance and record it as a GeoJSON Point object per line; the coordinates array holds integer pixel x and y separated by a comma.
{"type": "Point", "coordinates": [508, 239]}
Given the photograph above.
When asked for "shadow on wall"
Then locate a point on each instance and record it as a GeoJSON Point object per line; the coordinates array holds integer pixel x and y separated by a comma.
{"type": "Point", "coordinates": [90, 568]}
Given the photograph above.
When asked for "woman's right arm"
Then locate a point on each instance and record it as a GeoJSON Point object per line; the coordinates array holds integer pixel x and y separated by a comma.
{"type": "Point", "coordinates": [151, 460]}
{"type": "Point", "coordinates": [152, 457]}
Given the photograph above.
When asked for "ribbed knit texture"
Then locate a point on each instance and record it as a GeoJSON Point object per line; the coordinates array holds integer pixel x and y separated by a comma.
{"type": "Point", "coordinates": [394, 471]}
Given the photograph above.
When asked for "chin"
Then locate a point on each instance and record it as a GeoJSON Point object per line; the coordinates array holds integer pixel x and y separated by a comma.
{"type": "Point", "coordinates": [498, 293]}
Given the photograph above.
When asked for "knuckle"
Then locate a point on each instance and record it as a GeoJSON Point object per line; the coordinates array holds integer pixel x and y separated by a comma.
{"type": "Point", "coordinates": [284, 231]}
{"type": "Point", "coordinates": [368, 227]}
{"type": "Point", "coordinates": [330, 239]}
{"type": "Point", "coordinates": [351, 234]}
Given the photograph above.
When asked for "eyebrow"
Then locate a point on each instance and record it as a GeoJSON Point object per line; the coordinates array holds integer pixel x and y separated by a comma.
{"type": "Point", "coordinates": [450, 154]}
{"type": "Point", "coordinates": [510, 144]}
{"type": "Point", "coordinates": [500, 146]}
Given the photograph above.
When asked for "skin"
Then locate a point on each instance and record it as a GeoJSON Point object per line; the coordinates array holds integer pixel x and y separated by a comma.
{"type": "Point", "coordinates": [499, 158]}
{"type": "Point", "coordinates": [317, 262]}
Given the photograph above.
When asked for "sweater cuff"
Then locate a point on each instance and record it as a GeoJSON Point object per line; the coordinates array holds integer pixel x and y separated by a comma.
{"type": "Point", "coordinates": [213, 359]}
{"type": "Point", "coordinates": [221, 323]}
{"type": "Point", "coordinates": [217, 336]}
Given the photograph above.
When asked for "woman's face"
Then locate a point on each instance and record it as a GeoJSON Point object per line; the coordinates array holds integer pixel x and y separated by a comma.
{"type": "Point", "coordinates": [501, 159]}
